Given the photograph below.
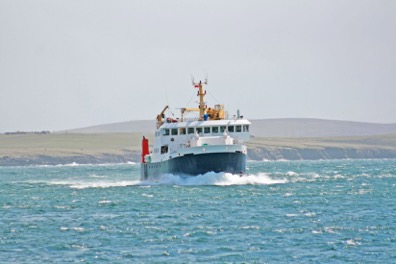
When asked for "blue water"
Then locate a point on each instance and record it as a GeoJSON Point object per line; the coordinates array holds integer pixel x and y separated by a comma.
{"type": "Point", "coordinates": [304, 212]}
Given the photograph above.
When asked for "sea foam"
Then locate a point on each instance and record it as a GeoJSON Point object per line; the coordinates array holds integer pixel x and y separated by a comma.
{"type": "Point", "coordinates": [212, 178]}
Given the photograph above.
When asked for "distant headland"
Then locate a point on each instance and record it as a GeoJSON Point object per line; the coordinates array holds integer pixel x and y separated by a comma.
{"type": "Point", "coordinates": [273, 139]}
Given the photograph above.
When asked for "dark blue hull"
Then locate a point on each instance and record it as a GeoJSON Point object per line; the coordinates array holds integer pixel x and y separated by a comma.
{"type": "Point", "coordinates": [193, 165]}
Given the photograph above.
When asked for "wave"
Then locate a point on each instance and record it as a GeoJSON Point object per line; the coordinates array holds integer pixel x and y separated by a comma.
{"type": "Point", "coordinates": [212, 178]}
{"type": "Point", "coordinates": [102, 184]}
{"type": "Point", "coordinates": [84, 184]}
{"type": "Point", "coordinates": [75, 164]}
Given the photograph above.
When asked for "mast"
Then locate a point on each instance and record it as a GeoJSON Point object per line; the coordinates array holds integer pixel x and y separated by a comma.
{"type": "Point", "coordinates": [201, 94]}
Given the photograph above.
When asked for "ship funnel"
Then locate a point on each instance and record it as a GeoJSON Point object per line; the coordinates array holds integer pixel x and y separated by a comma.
{"type": "Point", "coordinates": [145, 148]}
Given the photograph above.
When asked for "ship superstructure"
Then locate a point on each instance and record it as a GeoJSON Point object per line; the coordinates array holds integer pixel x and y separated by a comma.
{"type": "Point", "coordinates": [211, 142]}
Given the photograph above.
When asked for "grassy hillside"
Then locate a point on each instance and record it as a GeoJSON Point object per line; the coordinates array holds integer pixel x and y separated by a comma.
{"type": "Point", "coordinates": [62, 148]}
{"type": "Point", "coordinates": [67, 144]}
{"type": "Point", "coordinates": [383, 146]}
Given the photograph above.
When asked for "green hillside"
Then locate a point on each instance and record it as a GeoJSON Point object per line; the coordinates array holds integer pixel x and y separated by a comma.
{"type": "Point", "coordinates": [63, 148]}
{"type": "Point", "coordinates": [68, 144]}
{"type": "Point", "coordinates": [379, 146]}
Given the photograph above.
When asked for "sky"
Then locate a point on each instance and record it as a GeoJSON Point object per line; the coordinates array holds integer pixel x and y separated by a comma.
{"type": "Point", "coordinates": [67, 64]}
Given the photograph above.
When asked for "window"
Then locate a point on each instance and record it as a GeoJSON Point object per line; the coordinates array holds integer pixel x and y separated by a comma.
{"type": "Point", "coordinates": [230, 128]}
{"type": "Point", "coordinates": [164, 149]}
{"type": "Point", "coordinates": [165, 132]}
{"type": "Point", "coordinates": [246, 128]}
{"type": "Point", "coordinates": [174, 132]}
{"type": "Point", "coordinates": [238, 128]}
{"type": "Point", "coordinates": [222, 128]}
{"type": "Point", "coordinates": [207, 130]}
{"type": "Point", "coordinates": [182, 131]}
{"type": "Point", "coordinates": [190, 130]}
{"type": "Point", "coordinates": [199, 130]}
{"type": "Point", "coordinates": [215, 130]}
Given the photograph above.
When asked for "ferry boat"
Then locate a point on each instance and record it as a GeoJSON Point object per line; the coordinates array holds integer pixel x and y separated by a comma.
{"type": "Point", "coordinates": [190, 147]}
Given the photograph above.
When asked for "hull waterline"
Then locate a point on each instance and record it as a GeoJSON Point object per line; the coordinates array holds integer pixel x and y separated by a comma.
{"type": "Point", "coordinates": [193, 165]}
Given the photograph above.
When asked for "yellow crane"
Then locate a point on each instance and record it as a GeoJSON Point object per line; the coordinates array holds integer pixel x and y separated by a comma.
{"type": "Point", "coordinates": [187, 110]}
{"type": "Point", "coordinates": [160, 116]}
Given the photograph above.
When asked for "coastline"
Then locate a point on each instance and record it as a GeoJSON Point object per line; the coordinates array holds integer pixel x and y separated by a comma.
{"type": "Point", "coordinates": [60, 149]}
{"type": "Point", "coordinates": [256, 154]}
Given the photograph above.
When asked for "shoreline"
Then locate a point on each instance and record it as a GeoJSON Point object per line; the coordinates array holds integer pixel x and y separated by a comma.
{"type": "Point", "coordinates": [255, 154]}
{"type": "Point", "coordinates": [56, 149]}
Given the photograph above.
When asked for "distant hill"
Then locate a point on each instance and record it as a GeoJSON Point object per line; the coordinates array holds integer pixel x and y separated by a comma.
{"type": "Point", "coordinates": [283, 127]}
{"type": "Point", "coordinates": [308, 127]}
{"type": "Point", "coordinates": [140, 126]}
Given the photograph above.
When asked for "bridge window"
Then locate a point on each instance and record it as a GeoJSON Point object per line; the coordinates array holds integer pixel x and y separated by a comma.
{"type": "Point", "coordinates": [199, 130]}
{"type": "Point", "coordinates": [190, 130]}
{"type": "Point", "coordinates": [238, 128]}
{"type": "Point", "coordinates": [164, 149]}
{"type": "Point", "coordinates": [182, 131]}
{"type": "Point", "coordinates": [215, 130]}
{"type": "Point", "coordinates": [174, 131]}
{"type": "Point", "coordinates": [230, 128]}
{"type": "Point", "coordinates": [165, 132]}
{"type": "Point", "coordinates": [222, 128]}
{"type": "Point", "coordinates": [207, 130]}
{"type": "Point", "coordinates": [246, 128]}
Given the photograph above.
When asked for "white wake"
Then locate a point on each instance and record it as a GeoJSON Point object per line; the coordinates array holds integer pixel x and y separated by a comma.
{"type": "Point", "coordinates": [211, 178]}
{"type": "Point", "coordinates": [220, 179]}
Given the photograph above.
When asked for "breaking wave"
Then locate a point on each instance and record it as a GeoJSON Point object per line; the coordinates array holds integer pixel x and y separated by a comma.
{"type": "Point", "coordinates": [211, 178]}
{"type": "Point", "coordinates": [84, 184]}
{"type": "Point", "coordinates": [220, 179]}
{"type": "Point", "coordinates": [75, 164]}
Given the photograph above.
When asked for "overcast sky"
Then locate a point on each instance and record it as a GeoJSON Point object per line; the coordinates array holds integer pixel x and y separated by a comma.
{"type": "Point", "coordinates": [66, 64]}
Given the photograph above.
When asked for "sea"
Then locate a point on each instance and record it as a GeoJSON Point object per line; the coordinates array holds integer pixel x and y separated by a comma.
{"type": "Point", "coordinates": [328, 211]}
